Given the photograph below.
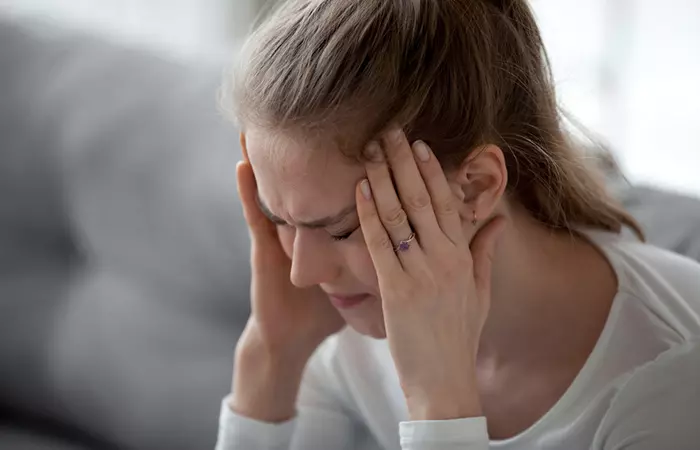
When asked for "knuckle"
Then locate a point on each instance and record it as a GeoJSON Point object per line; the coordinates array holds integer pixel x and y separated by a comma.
{"type": "Point", "coordinates": [418, 202]}
{"type": "Point", "coordinates": [381, 242]}
{"type": "Point", "coordinates": [446, 206]}
{"type": "Point", "coordinates": [394, 218]}
{"type": "Point", "coordinates": [452, 271]}
{"type": "Point", "coordinates": [451, 265]}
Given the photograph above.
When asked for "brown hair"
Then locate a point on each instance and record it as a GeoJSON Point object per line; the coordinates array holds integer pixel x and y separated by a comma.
{"type": "Point", "coordinates": [458, 74]}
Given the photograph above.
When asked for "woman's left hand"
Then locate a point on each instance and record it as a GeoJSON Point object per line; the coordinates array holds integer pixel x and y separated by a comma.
{"type": "Point", "coordinates": [436, 292]}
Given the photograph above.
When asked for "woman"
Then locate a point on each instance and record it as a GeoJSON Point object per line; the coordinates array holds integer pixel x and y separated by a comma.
{"type": "Point", "coordinates": [406, 174]}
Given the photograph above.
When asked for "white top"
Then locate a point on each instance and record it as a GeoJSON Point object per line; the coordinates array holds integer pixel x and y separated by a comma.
{"type": "Point", "coordinates": [638, 390]}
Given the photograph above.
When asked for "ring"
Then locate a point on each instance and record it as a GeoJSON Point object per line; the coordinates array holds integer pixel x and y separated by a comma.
{"type": "Point", "coordinates": [405, 244]}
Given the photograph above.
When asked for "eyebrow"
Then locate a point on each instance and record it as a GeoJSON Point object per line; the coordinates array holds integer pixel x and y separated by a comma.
{"type": "Point", "coordinates": [320, 223]}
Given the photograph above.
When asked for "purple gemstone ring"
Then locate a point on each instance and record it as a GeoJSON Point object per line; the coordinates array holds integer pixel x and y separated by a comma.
{"type": "Point", "coordinates": [405, 244]}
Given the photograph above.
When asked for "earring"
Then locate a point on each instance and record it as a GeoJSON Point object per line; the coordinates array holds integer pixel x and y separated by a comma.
{"type": "Point", "coordinates": [474, 221]}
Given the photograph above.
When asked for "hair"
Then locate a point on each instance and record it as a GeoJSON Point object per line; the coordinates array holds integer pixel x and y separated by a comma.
{"type": "Point", "coordinates": [457, 74]}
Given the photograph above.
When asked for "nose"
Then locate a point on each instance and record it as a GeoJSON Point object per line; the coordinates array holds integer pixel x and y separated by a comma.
{"type": "Point", "coordinates": [313, 261]}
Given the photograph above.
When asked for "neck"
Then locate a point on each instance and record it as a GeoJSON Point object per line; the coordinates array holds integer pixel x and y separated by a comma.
{"type": "Point", "coordinates": [551, 291]}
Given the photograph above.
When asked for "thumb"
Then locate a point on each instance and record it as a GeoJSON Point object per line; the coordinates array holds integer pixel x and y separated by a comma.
{"type": "Point", "coordinates": [482, 248]}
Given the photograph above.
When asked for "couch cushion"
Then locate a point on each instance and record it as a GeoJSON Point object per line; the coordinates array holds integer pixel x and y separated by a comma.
{"type": "Point", "coordinates": [128, 331]}
{"type": "Point", "coordinates": [670, 220]}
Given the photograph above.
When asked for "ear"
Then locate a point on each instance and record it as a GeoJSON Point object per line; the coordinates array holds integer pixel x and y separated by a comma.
{"type": "Point", "coordinates": [481, 180]}
{"type": "Point", "coordinates": [244, 147]}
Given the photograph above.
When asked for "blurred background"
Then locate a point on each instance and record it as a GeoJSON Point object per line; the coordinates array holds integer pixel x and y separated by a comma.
{"type": "Point", "coordinates": [123, 254]}
{"type": "Point", "coordinates": [628, 69]}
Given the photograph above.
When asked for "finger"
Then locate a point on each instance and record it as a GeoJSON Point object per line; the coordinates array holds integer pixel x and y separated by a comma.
{"type": "Point", "coordinates": [443, 199]}
{"type": "Point", "coordinates": [379, 244]}
{"type": "Point", "coordinates": [267, 251]}
{"type": "Point", "coordinates": [412, 191]}
{"type": "Point", "coordinates": [391, 212]}
{"type": "Point", "coordinates": [258, 223]}
{"type": "Point", "coordinates": [482, 250]}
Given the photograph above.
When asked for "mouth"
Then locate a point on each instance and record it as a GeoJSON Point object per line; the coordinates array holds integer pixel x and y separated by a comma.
{"type": "Point", "coordinates": [347, 301]}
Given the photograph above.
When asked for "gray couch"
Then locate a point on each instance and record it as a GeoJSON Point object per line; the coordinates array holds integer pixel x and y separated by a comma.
{"type": "Point", "coordinates": [123, 254]}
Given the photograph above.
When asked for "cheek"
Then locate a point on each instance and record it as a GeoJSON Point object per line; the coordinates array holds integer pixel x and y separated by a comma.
{"type": "Point", "coordinates": [286, 236]}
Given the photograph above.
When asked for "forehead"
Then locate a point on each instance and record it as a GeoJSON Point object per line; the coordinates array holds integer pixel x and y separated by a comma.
{"type": "Point", "coordinates": [302, 176]}
{"type": "Point", "coordinates": [293, 155]}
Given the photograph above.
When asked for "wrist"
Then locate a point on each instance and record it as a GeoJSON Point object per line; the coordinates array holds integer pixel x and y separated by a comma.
{"type": "Point", "coordinates": [442, 405]}
{"type": "Point", "coordinates": [254, 344]}
{"type": "Point", "coordinates": [266, 384]}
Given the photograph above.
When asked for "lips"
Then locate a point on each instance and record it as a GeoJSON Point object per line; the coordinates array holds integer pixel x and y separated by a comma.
{"type": "Point", "coordinates": [347, 301]}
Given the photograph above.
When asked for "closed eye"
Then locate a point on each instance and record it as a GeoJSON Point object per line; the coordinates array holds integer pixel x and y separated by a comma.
{"type": "Point", "coordinates": [343, 237]}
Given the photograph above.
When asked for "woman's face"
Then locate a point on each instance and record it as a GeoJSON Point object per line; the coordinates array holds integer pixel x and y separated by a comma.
{"type": "Point", "coordinates": [308, 188]}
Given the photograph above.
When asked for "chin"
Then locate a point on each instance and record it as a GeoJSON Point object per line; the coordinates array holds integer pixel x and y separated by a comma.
{"type": "Point", "coordinates": [366, 319]}
{"type": "Point", "coordinates": [373, 329]}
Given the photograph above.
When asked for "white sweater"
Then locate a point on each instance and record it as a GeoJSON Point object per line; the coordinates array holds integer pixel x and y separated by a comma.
{"type": "Point", "coordinates": [638, 390]}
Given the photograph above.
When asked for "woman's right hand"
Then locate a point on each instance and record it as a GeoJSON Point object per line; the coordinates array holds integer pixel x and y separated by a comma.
{"type": "Point", "coordinates": [286, 324]}
{"type": "Point", "coordinates": [284, 318]}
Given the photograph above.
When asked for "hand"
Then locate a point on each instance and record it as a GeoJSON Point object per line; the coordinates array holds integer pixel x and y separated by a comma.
{"type": "Point", "coordinates": [285, 326]}
{"type": "Point", "coordinates": [283, 318]}
{"type": "Point", "coordinates": [435, 294]}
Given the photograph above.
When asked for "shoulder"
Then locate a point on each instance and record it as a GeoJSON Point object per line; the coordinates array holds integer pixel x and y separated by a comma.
{"type": "Point", "coordinates": [649, 262]}
{"type": "Point", "coordinates": [659, 280]}
{"type": "Point", "coordinates": [657, 406]}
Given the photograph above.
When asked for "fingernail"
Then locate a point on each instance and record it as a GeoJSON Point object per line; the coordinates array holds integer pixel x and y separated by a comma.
{"type": "Point", "coordinates": [374, 152]}
{"type": "Point", "coordinates": [421, 150]}
{"type": "Point", "coordinates": [396, 134]}
{"type": "Point", "coordinates": [366, 190]}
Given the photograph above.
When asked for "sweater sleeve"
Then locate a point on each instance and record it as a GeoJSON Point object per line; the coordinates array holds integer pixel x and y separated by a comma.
{"type": "Point", "coordinates": [312, 429]}
{"type": "Point", "coordinates": [318, 429]}
{"type": "Point", "coordinates": [322, 420]}
{"type": "Point", "coordinates": [657, 407]}
{"type": "Point", "coordinates": [239, 432]}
